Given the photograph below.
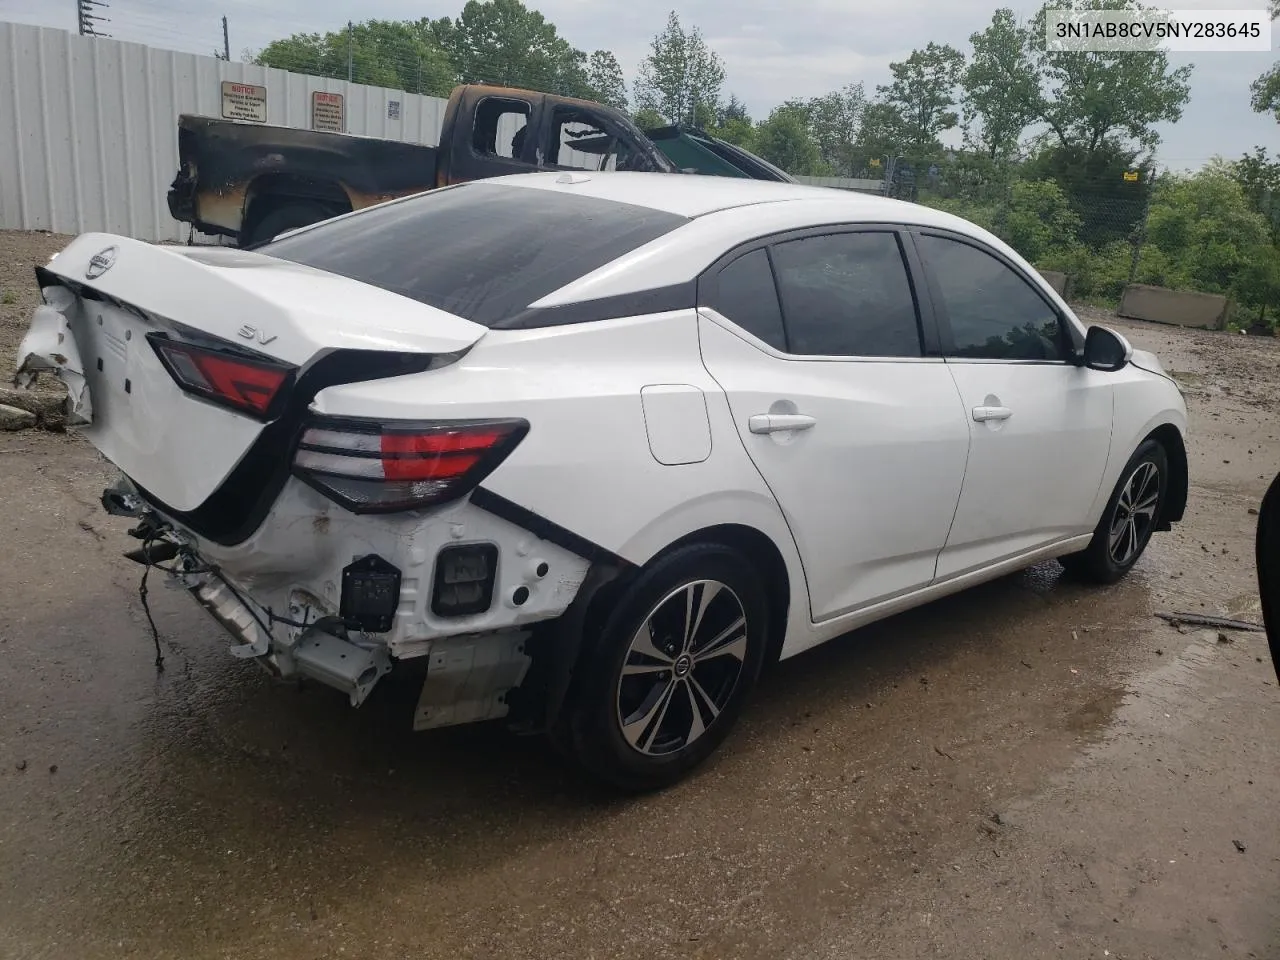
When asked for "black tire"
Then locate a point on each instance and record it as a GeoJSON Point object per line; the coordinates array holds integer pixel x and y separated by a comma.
{"type": "Point", "coordinates": [1104, 561]}
{"type": "Point", "coordinates": [287, 215]}
{"type": "Point", "coordinates": [651, 752]}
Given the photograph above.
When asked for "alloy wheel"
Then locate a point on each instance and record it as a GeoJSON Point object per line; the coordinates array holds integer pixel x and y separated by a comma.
{"type": "Point", "coordinates": [1135, 514]}
{"type": "Point", "coordinates": [682, 667]}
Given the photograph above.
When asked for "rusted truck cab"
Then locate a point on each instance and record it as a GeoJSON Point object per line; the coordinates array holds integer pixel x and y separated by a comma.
{"type": "Point", "coordinates": [252, 181]}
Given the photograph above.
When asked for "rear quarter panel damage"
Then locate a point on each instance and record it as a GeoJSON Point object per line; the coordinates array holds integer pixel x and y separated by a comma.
{"type": "Point", "coordinates": [586, 463]}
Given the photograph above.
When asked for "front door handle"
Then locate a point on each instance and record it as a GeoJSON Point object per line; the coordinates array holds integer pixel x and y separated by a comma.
{"type": "Point", "coordinates": [983, 414]}
{"type": "Point", "coordinates": [778, 422]}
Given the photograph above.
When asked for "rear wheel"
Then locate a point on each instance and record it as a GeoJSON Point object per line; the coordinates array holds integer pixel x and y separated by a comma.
{"type": "Point", "coordinates": [678, 657]}
{"type": "Point", "coordinates": [287, 215]}
{"type": "Point", "coordinates": [1129, 519]}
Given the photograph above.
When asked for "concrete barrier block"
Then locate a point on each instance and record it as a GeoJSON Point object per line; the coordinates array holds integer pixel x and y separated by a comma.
{"type": "Point", "coordinates": [1183, 308]}
{"type": "Point", "coordinates": [1059, 281]}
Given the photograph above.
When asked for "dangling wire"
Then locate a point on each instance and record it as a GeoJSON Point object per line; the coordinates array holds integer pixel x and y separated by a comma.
{"type": "Point", "coordinates": [146, 606]}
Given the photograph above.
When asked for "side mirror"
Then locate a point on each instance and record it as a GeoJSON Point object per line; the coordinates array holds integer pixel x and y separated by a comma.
{"type": "Point", "coordinates": [1106, 350]}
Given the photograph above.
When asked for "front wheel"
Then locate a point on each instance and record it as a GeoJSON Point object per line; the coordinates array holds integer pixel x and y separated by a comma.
{"type": "Point", "coordinates": [1129, 519]}
{"type": "Point", "coordinates": [670, 672]}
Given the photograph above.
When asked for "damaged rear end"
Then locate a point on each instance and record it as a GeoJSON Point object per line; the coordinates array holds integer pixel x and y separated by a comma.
{"type": "Point", "coordinates": [327, 546]}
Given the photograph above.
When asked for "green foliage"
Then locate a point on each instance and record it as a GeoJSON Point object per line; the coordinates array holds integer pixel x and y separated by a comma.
{"type": "Point", "coordinates": [1204, 225]}
{"type": "Point", "coordinates": [605, 80]}
{"type": "Point", "coordinates": [403, 55]}
{"type": "Point", "coordinates": [1039, 220]}
{"type": "Point", "coordinates": [882, 131]}
{"type": "Point", "coordinates": [834, 121]}
{"type": "Point", "coordinates": [784, 139]}
{"type": "Point", "coordinates": [647, 118]}
{"type": "Point", "coordinates": [681, 77]}
{"type": "Point", "coordinates": [1093, 98]}
{"type": "Point", "coordinates": [1109, 206]}
{"type": "Point", "coordinates": [1259, 178]}
{"type": "Point", "coordinates": [504, 42]}
{"type": "Point", "coordinates": [1001, 86]}
{"type": "Point", "coordinates": [1266, 89]}
{"type": "Point", "coordinates": [1266, 93]}
{"type": "Point", "coordinates": [923, 92]}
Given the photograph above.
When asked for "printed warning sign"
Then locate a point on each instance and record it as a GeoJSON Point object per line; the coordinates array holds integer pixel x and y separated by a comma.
{"type": "Point", "coordinates": [326, 112]}
{"type": "Point", "coordinates": [244, 101]}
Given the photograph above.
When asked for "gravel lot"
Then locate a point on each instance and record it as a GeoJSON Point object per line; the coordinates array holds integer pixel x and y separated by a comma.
{"type": "Point", "coordinates": [1030, 769]}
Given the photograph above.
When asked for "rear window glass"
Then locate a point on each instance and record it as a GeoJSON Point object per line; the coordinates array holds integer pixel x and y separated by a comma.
{"type": "Point", "coordinates": [483, 252]}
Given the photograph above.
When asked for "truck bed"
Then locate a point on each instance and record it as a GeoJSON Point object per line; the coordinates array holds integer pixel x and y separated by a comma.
{"type": "Point", "coordinates": [368, 170]}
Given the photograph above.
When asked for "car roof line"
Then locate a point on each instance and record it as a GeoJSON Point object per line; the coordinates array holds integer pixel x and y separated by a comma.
{"type": "Point", "coordinates": [740, 206]}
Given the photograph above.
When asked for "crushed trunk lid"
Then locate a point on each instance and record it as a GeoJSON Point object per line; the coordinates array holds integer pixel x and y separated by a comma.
{"type": "Point", "coordinates": [108, 297]}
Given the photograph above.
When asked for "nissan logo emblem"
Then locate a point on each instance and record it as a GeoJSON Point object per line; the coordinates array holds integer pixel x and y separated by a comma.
{"type": "Point", "coordinates": [100, 263]}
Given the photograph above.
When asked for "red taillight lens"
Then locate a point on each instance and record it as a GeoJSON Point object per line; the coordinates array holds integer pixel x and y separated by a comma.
{"type": "Point", "coordinates": [377, 468]}
{"type": "Point", "coordinates": [229, 377]}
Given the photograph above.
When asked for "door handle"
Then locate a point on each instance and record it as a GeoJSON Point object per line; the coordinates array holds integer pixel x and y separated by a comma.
{"type": "Point", "coordinates": [778, 422]}
{"type": "Point", "coordinates": [983, 414]}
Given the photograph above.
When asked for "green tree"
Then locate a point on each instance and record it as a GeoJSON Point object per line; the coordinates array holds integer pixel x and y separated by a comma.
{"type": "Point", "coordinates": [681, 77]}
{"type": "Point", "coordinates": [834, 121]}
{"type": "Point", "coordinates": [604, 77]}
{"type": "Point", "coordinates": [1110, 206]}
{"type": "Point", "coordinates": [1092, 99]}
{"type": "Point", "coordinates": [1001, 85]}
{"type": "Point", "coordinates": [1203, 226]}
{"type": "Point", "coordinates": [1039, 219]}
{"type": "Point", "coordinates": [404, 55]}
{"type": "Point", "coordinates": [505, 42]}
{"type": "Point", "coordinates": [1259, 178]}
{"type": "Point", "coordinates": [784, 140]}
{"type": "Point", "coordinates": [1266, 89]}
{"type": "Point", "coordinates": [734, 125]}
{"type": "Point", "coordinates": [882, 131]}
{"type": "Point", "coordinates": [646, 118]}
{"type": "Point", "coordinates": [923, 92]}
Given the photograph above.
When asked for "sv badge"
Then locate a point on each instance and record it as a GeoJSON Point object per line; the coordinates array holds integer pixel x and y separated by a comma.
{"type": "Point", "coordinates": [253, 333]}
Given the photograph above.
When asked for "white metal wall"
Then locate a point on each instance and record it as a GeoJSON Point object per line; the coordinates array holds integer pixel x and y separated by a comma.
{"type": "Point", "coordinates": [88, 127]}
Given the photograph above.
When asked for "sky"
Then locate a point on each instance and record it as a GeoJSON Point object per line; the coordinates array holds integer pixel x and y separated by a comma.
{"type": "Point", "coordinates": [773, 50]}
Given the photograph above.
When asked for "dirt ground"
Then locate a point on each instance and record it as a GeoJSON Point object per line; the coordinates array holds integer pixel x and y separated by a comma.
{"type": "Point", "coordinates": [1031, 769]}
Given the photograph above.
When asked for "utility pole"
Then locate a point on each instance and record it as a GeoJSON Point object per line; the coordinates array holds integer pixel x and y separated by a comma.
{"type": "Point", "coordinates": [348, 51]}
{"type": "Point", "coordinates": [226, 41]}
{"type": "Point", "coordinates": [87, 18]}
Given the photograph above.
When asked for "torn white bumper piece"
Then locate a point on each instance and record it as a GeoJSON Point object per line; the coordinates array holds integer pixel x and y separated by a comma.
{"type": "Point", "coordinates": [50, 347]}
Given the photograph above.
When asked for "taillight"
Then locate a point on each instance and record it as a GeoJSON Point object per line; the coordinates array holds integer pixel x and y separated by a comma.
{"type": "Point", "coordinates": [229, 377]}
{"type": "Point", "coordinates": [371, 467]}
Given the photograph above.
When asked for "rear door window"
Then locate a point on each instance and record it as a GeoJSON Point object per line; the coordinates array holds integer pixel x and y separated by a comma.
{"type": "Point", "coordinates": [847, 295]}
{"type": "Point", "coordinates": [479, 251]}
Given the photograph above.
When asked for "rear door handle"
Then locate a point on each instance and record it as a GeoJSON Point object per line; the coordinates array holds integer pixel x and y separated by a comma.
{"type": "Point", "coordinates": [778, 422]}
{"type": "Point", "coordinates": [983, 414]}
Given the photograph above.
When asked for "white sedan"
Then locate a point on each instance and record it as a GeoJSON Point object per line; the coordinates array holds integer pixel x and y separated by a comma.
{"type": "Point", "coordinates": [600, 447]}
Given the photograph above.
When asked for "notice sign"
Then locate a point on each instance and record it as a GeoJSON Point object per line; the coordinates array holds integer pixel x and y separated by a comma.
{"type": "Point", "coordinates": [244, 101]}
{"type": "Point", "coordinates": [326, 112]}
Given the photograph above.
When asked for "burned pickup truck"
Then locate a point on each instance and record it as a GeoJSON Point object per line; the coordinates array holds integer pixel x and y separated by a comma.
{"type": "Point", "coordinates": [253, 182]}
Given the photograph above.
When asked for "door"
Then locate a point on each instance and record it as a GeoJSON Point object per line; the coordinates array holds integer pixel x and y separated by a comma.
{"type": "Point", "coordinates": [493, 144]}
{"type": "Point", "coordinates": [1040, 424]}
{"type": "Point", "coordinates": [860, 437]}
{"type": "Point", "coordinates": [579, 138]}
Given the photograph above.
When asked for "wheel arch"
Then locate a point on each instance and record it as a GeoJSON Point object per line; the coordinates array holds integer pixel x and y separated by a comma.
{"type": "Point", "coordinates": [1175, 448]}
{"type": "Point", "coordinates": [268, 191]}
